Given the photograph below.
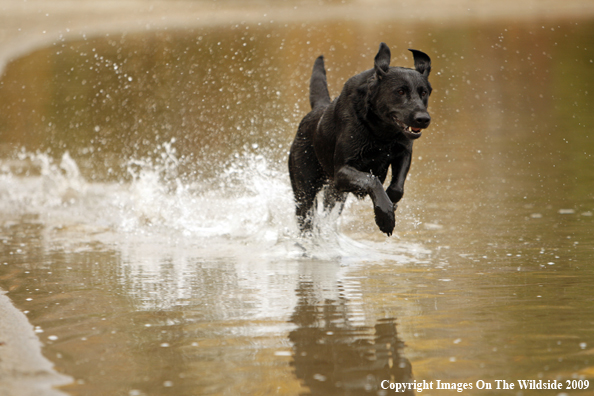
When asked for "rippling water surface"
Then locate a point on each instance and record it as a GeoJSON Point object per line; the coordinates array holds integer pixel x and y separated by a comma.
{"type": "Point", "coordinates": [147, 222]}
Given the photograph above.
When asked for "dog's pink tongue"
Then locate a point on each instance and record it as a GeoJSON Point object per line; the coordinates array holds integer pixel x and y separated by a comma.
{"type": "Point", "coordinates": [417, 130]}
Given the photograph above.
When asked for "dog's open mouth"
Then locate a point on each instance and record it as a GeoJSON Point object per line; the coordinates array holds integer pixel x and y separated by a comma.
{"type": "Point", "coordinates": [413, 130]}
{"type": "Point", "coordinates": [409, 131]}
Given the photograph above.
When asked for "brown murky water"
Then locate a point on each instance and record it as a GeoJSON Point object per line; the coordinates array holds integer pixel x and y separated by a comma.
{"type": "Point", "coordinates": [148, 231]}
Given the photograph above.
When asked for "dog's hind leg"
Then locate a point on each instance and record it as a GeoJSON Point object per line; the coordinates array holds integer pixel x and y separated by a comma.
{"type": "Point", "coordinates": [318, 86]}
{"type": "Point", "coordinates": [305, 199]}
{"type": "Point", "coordinates": [307, 175]}
{"type": "Point", "coordinates": [307, 179]}
{"type": "Point", "coordinates": [304, 209]}
{"type": "Point", "coordinates": [333, 198]}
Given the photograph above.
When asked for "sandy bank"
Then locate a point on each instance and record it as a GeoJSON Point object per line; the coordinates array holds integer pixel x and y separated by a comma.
{"type": "Point", "coordinates": [29, 24]}
{"type": "Point", "coordinates": [23, 369]}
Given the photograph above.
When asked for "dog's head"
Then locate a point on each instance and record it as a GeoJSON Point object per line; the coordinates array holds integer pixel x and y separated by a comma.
{"type": "Point", "coordinates": [399, 96]}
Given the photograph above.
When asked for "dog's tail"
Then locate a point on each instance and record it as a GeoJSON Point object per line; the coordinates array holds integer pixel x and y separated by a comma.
{"type": "Point", "coordinates": [318, 87]}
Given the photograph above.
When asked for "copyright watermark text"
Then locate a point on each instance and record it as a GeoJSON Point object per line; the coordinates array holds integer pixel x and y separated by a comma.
{"type": "Point", "coordinates": [420, 386]}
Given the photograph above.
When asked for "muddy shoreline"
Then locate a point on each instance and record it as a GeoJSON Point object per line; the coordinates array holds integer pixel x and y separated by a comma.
{"type": "Point", "coordinates": [26, 26]}
{"type": "Point", "coordinates": [24, 370]}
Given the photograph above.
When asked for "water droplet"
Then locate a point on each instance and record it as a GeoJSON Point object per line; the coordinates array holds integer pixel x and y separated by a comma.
{"type": "Point", "coordinates": [319, 377]}
{"type": "Point", "coordinates": [282, 353]}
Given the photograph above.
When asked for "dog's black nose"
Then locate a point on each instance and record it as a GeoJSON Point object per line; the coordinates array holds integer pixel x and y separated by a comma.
{"type": "Point", "coordinates": [422, 120]}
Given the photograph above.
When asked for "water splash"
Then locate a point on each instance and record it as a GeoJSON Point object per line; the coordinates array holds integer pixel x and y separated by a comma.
{"type": "Point", "coordinates": [245, 211]}
{"type": "Point", "coordinates": [244, 200]}
{"type": "Point", "coordinates": [58, 184]}
{"type": "Point", "coordinates": [167, 227]}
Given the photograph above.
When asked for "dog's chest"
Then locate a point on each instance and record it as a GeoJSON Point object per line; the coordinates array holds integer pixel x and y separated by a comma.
{"type": "Point", "coordinates": [377, 158]}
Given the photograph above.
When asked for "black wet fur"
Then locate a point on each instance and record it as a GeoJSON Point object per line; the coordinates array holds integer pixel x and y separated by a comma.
{"type": "Point", "coordinates": [349, 143]}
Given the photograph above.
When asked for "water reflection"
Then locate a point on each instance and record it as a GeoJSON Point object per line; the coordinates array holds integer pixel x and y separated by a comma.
{"type": "Point", "coordinates": [334, 356]}
{"type": "Point", "coordinates": [148, 312]}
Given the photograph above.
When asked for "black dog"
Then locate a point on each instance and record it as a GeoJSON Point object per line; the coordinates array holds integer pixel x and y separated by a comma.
{"type": "Point", "coordinates": [348, 144]}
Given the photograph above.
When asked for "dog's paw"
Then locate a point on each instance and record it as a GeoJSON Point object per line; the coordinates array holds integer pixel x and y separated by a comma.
{"type": "Point", "coordinates": [385, 219]}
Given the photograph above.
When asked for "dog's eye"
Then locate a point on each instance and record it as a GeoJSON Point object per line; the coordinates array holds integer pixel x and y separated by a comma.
{"type": "Point", "coordinates": [424, 93]}
{"type": "Point", "coordinates": [401, 91]}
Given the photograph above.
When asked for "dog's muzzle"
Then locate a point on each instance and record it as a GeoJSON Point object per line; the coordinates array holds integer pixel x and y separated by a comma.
{"type": "Point", "coordinates": [410, 132]}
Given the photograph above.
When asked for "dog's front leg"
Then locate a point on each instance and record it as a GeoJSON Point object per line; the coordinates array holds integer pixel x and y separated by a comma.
{"type": "Point", "coordinates": [400, 168]}
{"type": "Point", "coordinates": [349, 179]}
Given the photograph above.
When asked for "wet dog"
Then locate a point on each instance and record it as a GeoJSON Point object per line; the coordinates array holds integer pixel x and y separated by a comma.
{"type": "Point", "coordinates": [348, 144]}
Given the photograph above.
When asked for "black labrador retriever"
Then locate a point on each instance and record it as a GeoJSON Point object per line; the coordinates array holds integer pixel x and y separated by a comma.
{"type": "Point", "coordinates": [348, 144]}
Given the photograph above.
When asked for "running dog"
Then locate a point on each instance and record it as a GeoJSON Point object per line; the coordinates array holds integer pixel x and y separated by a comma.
{"type": "Point", "coordinates": [347, 144]}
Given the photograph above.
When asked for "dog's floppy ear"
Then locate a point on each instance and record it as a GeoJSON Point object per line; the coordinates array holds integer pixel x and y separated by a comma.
{"type": "Point", "coordinates": [422, 62]}
{"type": "Point", "coordinates": [382, 61]}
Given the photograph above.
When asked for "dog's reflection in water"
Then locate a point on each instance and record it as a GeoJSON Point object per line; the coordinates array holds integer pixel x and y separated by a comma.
{"type": "Point", "coordinates": [334, 357]}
